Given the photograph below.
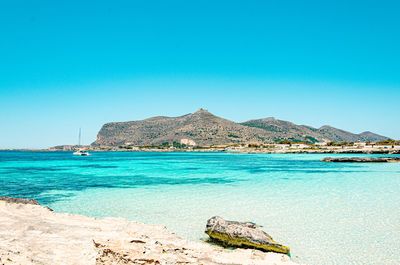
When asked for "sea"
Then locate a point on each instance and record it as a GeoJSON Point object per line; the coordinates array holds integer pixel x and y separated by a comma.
{"type": "Point", "coordinates": [327, 213]}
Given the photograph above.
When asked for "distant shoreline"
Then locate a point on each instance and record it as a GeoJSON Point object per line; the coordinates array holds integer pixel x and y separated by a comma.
{"type": "Point", "coordinates": [379, 150]}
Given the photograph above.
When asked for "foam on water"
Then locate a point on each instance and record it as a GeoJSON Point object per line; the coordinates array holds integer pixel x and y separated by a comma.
{"type": "Point", "coordinates": [328, 213]}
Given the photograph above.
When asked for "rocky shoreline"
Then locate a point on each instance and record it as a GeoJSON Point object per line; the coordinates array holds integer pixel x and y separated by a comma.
{"type": "Point", "coordinates": [362, 159]}
{"type": "Point", "coordinates": [394, 151]}
{"type": "Point", "coordinates": [33, 234]}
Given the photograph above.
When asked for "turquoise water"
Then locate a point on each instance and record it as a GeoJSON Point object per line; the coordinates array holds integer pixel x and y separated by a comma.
{"type": "Point", "coordinates": [328, 213]}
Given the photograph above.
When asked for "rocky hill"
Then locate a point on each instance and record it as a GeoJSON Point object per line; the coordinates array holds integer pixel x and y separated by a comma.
{"type": "Point", "coordinates": [284, 130]}
{"type": "Point", "coordinates": [203, 128]}
{"type": "Point", "coordinates": [291, 131]}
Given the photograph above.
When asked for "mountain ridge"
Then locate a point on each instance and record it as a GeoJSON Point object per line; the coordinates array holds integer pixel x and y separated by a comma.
{"type": "Point", "coordinates": [204, 128]}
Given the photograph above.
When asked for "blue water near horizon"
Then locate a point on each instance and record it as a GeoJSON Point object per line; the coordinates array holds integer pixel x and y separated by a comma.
{"type": "Point", "coordinates": [328, 213]}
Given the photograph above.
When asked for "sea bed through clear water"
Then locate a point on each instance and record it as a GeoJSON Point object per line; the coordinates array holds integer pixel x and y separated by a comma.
{"type": "Point", "coordinates": [328, 213]}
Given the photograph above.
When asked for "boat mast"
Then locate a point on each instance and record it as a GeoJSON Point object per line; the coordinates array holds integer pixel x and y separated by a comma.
{"type": "Point", "coordinates": [79, 144]}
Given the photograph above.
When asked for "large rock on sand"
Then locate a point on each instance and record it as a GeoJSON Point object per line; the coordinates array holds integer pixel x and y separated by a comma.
{"type": "Point", "coordinates": [241, 234]}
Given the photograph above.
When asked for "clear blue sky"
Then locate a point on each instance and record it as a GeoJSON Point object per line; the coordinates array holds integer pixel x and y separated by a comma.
{"type": "Point", "coordinates": [71, 64]}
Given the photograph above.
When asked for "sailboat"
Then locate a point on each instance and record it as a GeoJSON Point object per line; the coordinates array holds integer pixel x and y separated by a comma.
{"type": "Point", "coordinates": [80, 152]}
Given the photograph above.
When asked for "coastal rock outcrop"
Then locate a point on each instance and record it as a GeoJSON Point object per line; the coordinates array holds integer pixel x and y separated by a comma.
{"type": "Point", "coordinates": [22, 201]}
{"type": "Point", "coordinates": [362, 159]}
{"type": "Point", "coordinates": [31, 234]}
{"type": "Point", "coordinates": [19, 200]}
{"type": "Point", "coordinates": [241, 234]}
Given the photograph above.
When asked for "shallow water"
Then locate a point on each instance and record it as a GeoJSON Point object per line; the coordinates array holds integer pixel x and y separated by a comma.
{"type": "Point", "coordinates": [328, 213]}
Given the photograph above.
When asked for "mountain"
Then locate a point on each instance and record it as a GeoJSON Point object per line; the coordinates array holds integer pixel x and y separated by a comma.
{"type": "Point", "coordinates": [291, 131]}
{"type": "Point", "coordinates": [337, 135]}
{"type": "Point", "coordinates": [373, 137]}
{"type": "Point", "coordinates": [204, 128]}
{"type": "Point", "coordinates": [285, 129]}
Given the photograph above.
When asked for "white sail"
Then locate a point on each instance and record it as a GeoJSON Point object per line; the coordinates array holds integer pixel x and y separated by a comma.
{"type": "Point", "coordinates": [80, 152]}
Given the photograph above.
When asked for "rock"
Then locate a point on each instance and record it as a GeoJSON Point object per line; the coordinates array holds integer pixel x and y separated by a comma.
{"type": "Point", "coordinates": [19, 200]}
{"type": "Point", "coordinates": [362, 159]}
{"type": "Point", "coordinates": [188, 142]}
{"type": "Point", "coordinates": [241, 234]}
{"type": "Point", "coordinates": [22, 201]}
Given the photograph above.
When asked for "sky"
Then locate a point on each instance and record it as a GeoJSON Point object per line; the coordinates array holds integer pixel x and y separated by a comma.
{"type": "Point", "coordinates": [66, 65]}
